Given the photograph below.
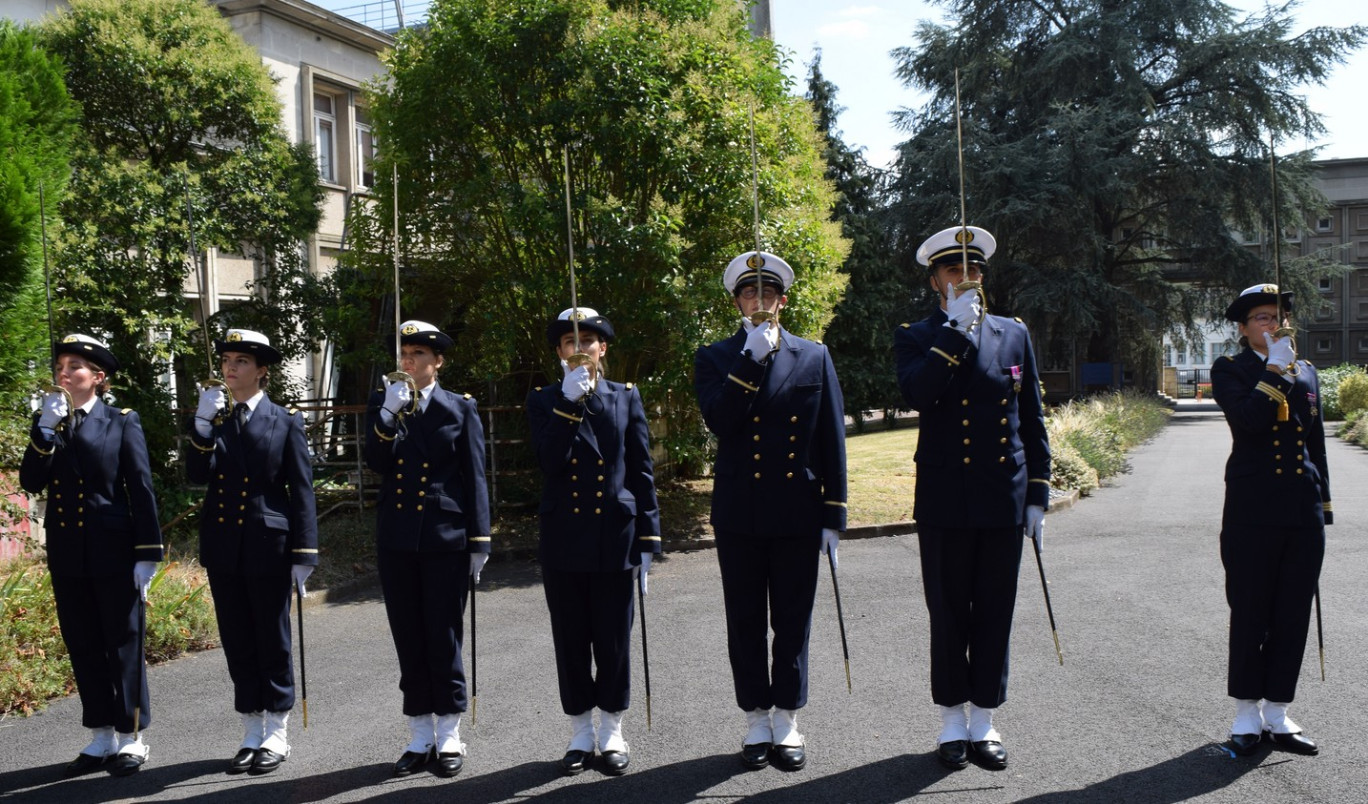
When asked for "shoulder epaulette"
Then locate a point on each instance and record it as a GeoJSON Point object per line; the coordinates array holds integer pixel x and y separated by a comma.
{"type": "Point", "coordinates": [126, 411]}
{"type": "Point", "coordinates": [292, 410]}
{"type": "Point", "coordinates": [538, 388]}
{"type": "Point", "coordinates": [1018, 320]}
{"type": "Point", "coordinates": [905, 325]}
{"type": "Point", "coordinates": [467, 396]}
{"type": "Point", "coordinates": [1229, 357]}
{"type": "Point", "coordinates": [819, 343]}
{"type": "Point", "coordinates": [628, 386]}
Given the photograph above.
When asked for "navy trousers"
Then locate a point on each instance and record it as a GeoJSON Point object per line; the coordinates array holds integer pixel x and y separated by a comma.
{"type": "Point", "coordinates": [253, 614]}
{"type": "Point", "coordinates": [425, 597]}
{"type": "Point", "coordinates": [591, 627]}
{"type": "Point", "coordinates": [99, 618]}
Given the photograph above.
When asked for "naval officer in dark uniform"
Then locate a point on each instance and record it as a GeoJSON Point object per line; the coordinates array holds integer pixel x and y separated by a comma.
{"type": "Point", "coordinates": [779, 499]}
{"type": "Point", "coordinates": [599, 521]}
{"type": "Point", "coordinates": [1277, 504]}
{"type": "Point", "coordinates": [258, 537]}
{"type": "Point", "coordinates": [432, 534]}
{"type": "Point", "coordinates": [983, 477]}
{"type": "Point", "coordinates": [103, 545]}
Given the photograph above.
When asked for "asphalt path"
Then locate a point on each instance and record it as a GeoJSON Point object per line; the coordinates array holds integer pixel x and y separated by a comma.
{"type": "Point", "coordinates": [1136, 713]}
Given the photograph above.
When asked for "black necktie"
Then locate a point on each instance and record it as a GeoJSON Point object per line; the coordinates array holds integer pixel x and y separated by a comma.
{"type": "Point", "coordinates": [240, 412]}
{"type": "Point", "coordinates": [77, 417]}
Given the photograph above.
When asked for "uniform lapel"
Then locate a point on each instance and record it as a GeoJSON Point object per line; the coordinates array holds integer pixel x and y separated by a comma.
{"type": "Point", "coordinates": [781, 365]}
{"type": "Point", "coordinates": [990, 340]}
{"type": "Point", "coordinates": [92, 435]}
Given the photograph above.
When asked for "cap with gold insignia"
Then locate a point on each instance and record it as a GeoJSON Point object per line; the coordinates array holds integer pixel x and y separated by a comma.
{"type": "Point", "coordinates": [1256, 296]}
{"type": "Point", "coordinates": [588, 319]}
{"type": "Point", "coordinates": [953, 243]}
{"type": "Point", "coordinates": [251, 343]}
{"type": "Point", "coordinates": [742, 271]}
{"type": "Point", "coordinates": [88, 348]}
{"type": "Point", "coordinates": [421, 333]}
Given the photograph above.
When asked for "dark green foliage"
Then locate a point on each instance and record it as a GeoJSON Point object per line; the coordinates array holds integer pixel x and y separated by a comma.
{"type": "Point", "coordinates": [1111, 147]}
{"type": "Point", "coordinates": [180, 124]}
{"type": "Point", "coordinates": [875, 302]}
{"type": "Point", "coordinates": [651, 100]}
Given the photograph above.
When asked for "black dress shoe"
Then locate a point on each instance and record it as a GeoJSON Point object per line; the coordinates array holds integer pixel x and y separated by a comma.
{"type": "Point", "coordinates": [991, 754]}
{"type": "Point", "coordinates": [126, 764]}
{"type": "Point", "coordinates": [954, 754]}
{"type": "Point", "coordinates": [575, 761]}
{"type": "Point", "coordinates": [242, 760]}
{"type": "Point", "coordinates": [1296, 743]}
{"type": "Point", "coordinates": [615, 762]}
{"type": "Point", "coordinates": [84, 763]}
{"type": "Point", "coordinates": [1243, 744]}
{"type": "Point", "coordinates": [267, 761]}
{"type": "Point", "coordinates": [449, 765]}
{"type": "Point", "coordinates": [788, 757]}
{"type": "Point", "coordinates": [412, 761]}
{"type": "Point", "coordinates": [755, 756]}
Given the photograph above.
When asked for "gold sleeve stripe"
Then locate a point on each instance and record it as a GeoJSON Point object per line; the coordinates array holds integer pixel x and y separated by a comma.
{"type": "Point", "coordinates": [1040, 480]}
{"type": "Point", "coordinates": [649, 538]}
{"type": "Point", "coordinates": [1272, 392]}
{"type": "Point", "coordinates": [743, 383]}
{"type": "Point", "coordinates": [953, 361]}
{"type": "Point", "coordinates": [42, 451]}
{"type": "Point", "coordinates": [196, 445]}
{"type": "Point", "coordinates": [383, 437]}
{"type": "Point", "coordinates": [479, 538]}
{"type": "Point", "coordinates": [836, 503]}
{"type": "Point", "coordinates": [147, 547]}
{"type": "Point", "coordinates": [560, 412]}
{"type": "Point", "coordinates": [303, 550]}
{"type": "Point", "coordinates": [1325, 506]}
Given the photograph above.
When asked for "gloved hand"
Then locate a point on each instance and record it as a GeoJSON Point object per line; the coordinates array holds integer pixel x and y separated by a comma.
{"type": "Point", "coordinates": [963, 309]}
{"type": "Point", "coordinates": [300, 573]}
{"type": "Point", "coordinates": [397, 397]}
{"type": "Point", "coordinates": [54, 409]}
{"type": "Point", "coordinates": [1280, 353]}
{"type": "Point", "coordinates": [645, 568]}
{"type": "Point", "coordinates": [830, 540]}
{"type": "Point", "coordinates": [577, 383]}
{"type": "Point", "coordinates": [212, 401]}
{"type": "Point", "coordinates": [477, 562]}
{"type": "Point", "coordinates": [762, 340]}
{"type": "Point", "coordinates": [142, 577]}
{"type": "Point", "coordinates": [1035, 525]}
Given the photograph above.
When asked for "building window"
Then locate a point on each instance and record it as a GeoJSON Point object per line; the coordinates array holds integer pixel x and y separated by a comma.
{"type": "Point", "coordinates": [365, 150]}
{"type": "Point", "coordinates": [1323, 283]}
{"type": "Point", "coordinates": [1363, 344]}
{"type": "Point", "coordinates": [1180, 358]}
{"type": "Point", "coordinates": [325, 135]}
{"type": "Point", "coordinates": [1325, 224]}
{"type": "Point", "coordinates": [1324, 345]}
{"type": "Point", "coordinates": [1199, 353]}
{"type": "Point", "coordinates": [1325, 311]}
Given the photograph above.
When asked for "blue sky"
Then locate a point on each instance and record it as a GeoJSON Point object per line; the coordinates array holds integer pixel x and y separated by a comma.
{"type": "Point", "coordinates": [855, 37]}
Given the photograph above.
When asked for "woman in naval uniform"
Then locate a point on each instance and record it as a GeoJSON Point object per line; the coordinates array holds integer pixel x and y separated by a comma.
{"type": "Point", "coordinates": [258, 537]}
{"type": "Point", "coordinates": [103, 545]}
{"type": "Point", "coordinates": [599, 521]}
{"type": "Point", "coordinates": [1277, 504]}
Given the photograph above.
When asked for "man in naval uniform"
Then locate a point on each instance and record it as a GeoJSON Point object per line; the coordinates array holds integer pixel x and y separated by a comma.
{"type": "Point", "coordinates": [779, 499]}
{"type": "Point", "coordinates": [983, 475]}
{"type": "Point", "coordinates": [433, 538]}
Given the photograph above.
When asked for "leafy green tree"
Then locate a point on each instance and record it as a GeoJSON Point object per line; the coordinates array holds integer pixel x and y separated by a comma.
{"type": "Point", "coordinates": [37, 122]}
{"type": "Point", "coordinates": [1111, 147]}
{"type": "Point", "coordinates": [180, 123]}
{"type": "Point", "coordinates": [861, 334]}
{"type": "Point", "coordinates": [651, 101]}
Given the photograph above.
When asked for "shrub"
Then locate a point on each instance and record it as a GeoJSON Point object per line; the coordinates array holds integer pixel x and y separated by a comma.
{"type": "Point", "coordinates": [1068, 470]}
{"type": "Point", "coordinates": [1353, 393]}
{"type": "Point", "coordinates": [1089, 438]}
{"type": "Point", "coordinates": [1355, 428]}
{"type": "Point", "coordinates": [1330, 380]}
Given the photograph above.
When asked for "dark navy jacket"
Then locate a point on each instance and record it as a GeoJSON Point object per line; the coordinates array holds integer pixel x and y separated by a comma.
{"type": "Point", "coordinates": [101, 512]}
{"type": "Point", "coordinates": [433, 496]}
{"type": "Point", "coordinates": [982, 452]}
{"type": "Point", "coordinates": [259, 513]}
{"type": "Point", "coordinates": [1276, 474]}
{"type": "Point", "coordinates": [780, 427]}
{"type": "Point", "coordinates": [598, 507]}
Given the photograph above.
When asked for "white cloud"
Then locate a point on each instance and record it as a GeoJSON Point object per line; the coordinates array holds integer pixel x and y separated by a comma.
{"type": "Point", "coordinates": [850, 29]}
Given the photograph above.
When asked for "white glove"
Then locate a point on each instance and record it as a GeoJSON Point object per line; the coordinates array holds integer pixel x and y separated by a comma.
{"type": "Point", "coordinates": [1280, 353]}
{"type": "Point", "coordinates": [1035, 525]}
{"type": "Point", "coordinates": [577, 383]}
{"type": "Point", "coordinates": [397, 397]}
{"type": "Point", "coordinates": [830, 540]}
{"type": "Point", "coordinates": [300, 573]}
{"type": "Point", "coordinates": [143, 571]}
{"type": "Point", "coordinates": [762, 340]}
{"type": "Point", "coordinates": [963, 309]}
{"type": "Point", "coordinates": [54, 408]}
{"type": "Point", "coordinates": [645, 568]}
{"type": "Point", "coordinates": [477, 562]}
{"type": "Point", "coordinates": [211, 402]}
